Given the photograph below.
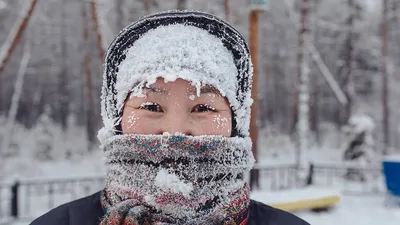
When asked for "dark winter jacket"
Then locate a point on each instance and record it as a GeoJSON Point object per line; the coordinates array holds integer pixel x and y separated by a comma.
{"type": "Point", "coordinates": [88, 211]}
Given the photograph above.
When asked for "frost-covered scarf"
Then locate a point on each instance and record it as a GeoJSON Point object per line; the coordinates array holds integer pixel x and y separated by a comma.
{"type": "Point", "coordinates": [162, 179]}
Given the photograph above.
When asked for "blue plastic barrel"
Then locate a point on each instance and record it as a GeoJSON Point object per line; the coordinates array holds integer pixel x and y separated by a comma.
{"type": "Point", "coordinates": [391, 170]}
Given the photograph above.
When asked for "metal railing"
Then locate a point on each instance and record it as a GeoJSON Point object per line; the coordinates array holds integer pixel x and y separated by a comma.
{"type": "Point", "coordinates": [31, 198]}
{"type": "Point", "coordinates": [349, 179]}
{"type": "Point", "coordinates": [5, 200]}
{"type": "Point", "coordinates": [274, 178]}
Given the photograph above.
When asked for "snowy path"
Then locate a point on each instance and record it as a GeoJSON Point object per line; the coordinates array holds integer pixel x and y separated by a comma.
{"type": "Point", "coordinates": [356, 210]}
{"type": "Point", "coordinates": [363, 210]}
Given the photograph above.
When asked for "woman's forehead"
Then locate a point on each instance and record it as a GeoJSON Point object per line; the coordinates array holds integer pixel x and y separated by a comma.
{"type": "Point", "coordinates": [165, 88]}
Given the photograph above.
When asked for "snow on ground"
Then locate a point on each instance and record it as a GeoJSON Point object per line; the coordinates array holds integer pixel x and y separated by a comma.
{"type": "Point", "coordinates": [363, 210]}
{"type": "Point", "coordinates": [351, 210]}
{"type": "Point", "coordinates": [8, 221]}
{"type": "Point", "coordinates": [274, 197]}
{"type": "Point", "coordinates": [393, 158]}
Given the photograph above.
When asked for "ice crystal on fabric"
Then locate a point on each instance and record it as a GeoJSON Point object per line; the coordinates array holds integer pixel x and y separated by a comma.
{"type": "Point", "coordinates": [177, 174]}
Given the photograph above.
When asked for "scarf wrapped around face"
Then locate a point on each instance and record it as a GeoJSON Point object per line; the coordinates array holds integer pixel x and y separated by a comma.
{"type": "Point", "coordinates": [177, 179]}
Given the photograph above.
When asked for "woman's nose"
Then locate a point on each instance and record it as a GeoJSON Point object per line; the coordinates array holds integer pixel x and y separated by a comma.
{"type": "Point", "coordinates": [176, 123]}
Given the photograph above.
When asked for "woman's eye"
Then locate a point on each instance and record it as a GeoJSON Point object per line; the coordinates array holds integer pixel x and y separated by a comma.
{"type": "Point", "coordinates": [150, 106]}
{"type": "Point", "coordinates": [203, 108]}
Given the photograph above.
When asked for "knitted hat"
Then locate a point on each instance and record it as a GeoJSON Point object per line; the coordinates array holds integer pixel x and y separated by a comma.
{"type": "Point", "coordinates": [195, 46]}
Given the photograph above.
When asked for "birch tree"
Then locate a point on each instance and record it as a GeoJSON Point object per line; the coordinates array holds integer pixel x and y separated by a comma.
{"type": "Point", "coordinates": [303, 82]}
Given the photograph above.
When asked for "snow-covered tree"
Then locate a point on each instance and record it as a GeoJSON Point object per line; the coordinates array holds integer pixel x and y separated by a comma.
{"type": "Point", "coordinates": [359, 147]}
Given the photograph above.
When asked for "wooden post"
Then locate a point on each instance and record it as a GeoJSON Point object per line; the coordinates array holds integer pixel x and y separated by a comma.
{"type": "Point", "coordinates": [88, 89]}
{"type": "Point", "coordinates": [310, 176]}
{"type": "Point", "coordinates": [15, 200]}
{"type": "Point", "coordinates": [385, 78]}
{"type": "Point", "coordinates": [95, 20]}
{"type": "Point", "coordinates": [253, 36]}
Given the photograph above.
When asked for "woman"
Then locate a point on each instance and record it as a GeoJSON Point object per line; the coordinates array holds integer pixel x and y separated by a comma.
{"type": "Point", "coordinates": [176, 103]}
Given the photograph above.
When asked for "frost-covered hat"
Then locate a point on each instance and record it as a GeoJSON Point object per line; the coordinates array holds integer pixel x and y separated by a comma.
{"type": "Point", "coordinates": [195, 46]}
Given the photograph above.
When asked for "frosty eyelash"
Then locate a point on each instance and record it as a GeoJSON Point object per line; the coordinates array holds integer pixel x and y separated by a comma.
{"type": "Point", "coordinates": [203, 108]}
{"type": "Point", "coordinates": [150, 106]}
{"type": "Point", "coordinates": [154, 107]}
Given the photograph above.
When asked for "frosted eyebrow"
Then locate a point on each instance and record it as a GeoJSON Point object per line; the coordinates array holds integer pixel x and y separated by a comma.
{"type": "Point", "coordinates": [207, 89]}
{"type": "Point", "coordinates": [156, 90]}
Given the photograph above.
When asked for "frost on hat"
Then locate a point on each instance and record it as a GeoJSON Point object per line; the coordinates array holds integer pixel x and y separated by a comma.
{"type": "Point", "coordinates": [177, 51]}
{"type": "Point", "coordinates": [194, 46]}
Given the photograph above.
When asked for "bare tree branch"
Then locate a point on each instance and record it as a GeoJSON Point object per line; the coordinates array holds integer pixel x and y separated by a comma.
{"type": "Point", "coordinates": [15, 36]}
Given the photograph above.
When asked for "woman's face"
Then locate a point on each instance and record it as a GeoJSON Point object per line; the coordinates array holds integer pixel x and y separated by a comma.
{"type": "Point", "coordinates": [175, 107]}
